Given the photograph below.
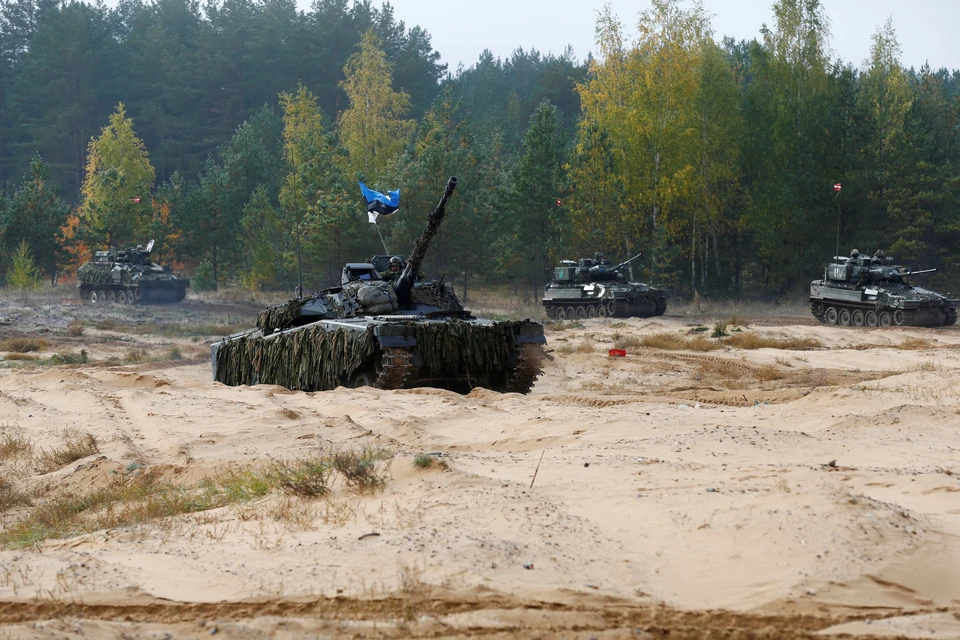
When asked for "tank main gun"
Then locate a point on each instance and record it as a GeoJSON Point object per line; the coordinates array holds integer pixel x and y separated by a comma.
{"type": "Point", "coordinates": [626, 262]}
{"type": "Point", "coordinates": [405, 282]}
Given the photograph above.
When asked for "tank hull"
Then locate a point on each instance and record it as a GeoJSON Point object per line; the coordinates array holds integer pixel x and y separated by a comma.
{"type": "Point", "coordinates": [579, 301]}
{"type": "Point", "coordinates": [109, 282]}
{"type": "Point", "coordinates": [388, 352]}
{"type": "Point", "coordinates": [133, 294]}
{"type": "Point", "coordinates": [865, 306]}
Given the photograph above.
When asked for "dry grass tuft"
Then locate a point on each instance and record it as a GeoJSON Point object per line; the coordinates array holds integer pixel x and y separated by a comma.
{"type": "Point", "coordinates": [10, 495]}
{"type": "Point", "coordinates": [76, 445]}
{"type": "Point", "coordinates": [136, 356]}
{"type": "Point", "coordinates": [107, 324]}
{"type": "Point", "coordinates": [70, 358]}
{"type": "Point", "coordinates": [365, 468]}
{"type": "Point", "coordinates": [914, 344]}
{"type": "Point", "coordinates": [768, 372]}
{"type": "Point", "coordinates": [423, 460]}
{"type": "Point", "coordinates": [23, 345]}
{"type": "Point", "coordinates": [667, 341]}
{"type": "Point", "coordinates": [20, 356]}
{"type": "Point", "coordinates": [305, 477]}
{"type": "Point", "coordinates": [756, 341]}
{"type": "Point", "coordinates": [75, 329]}
{"type": "Point", "coordinates": [12, 446]}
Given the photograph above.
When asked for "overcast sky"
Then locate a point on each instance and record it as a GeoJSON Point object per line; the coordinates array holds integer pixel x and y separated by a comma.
{"type": "Point", "coordinates": [462, 29]}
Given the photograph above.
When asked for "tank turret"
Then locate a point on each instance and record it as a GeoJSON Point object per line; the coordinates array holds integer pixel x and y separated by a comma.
{"type": "Point", "coordinates": [864, 291]}
{"type": "Point", "coordinates": [129, 276]}
{"type": "Point", "coordinates": [591, 288]}
{"type": "Point", "coordinates": [376, 331]}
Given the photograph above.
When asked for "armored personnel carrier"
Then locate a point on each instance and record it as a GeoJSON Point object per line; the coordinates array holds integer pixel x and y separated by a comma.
{"type": "Point", "coordinates": [129, 276]}
{"type": "Point", "coordinates": [861, 291]}
{"type": "Point", "coordinates": [592, 288]}
{"type": "Point", "coordinates": [373, 332]}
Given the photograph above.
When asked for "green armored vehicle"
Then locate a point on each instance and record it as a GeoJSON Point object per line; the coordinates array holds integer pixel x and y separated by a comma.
{"type": "Point", "coordinates": [592, 288]}
{"type": "Point", "coordinates": [390, 334]}
{"type": "Point", "coordinates": [861, 291]}
{"type": "Point", "coordinates": [129, 276]}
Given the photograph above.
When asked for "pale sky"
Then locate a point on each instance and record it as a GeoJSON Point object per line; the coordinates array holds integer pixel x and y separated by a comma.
{"type": "Point", "coordinates": [462, 29]}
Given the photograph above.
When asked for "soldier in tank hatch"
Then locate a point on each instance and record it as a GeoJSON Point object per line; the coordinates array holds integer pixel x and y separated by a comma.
{"type": "Point", "coordinates": [394, 270]}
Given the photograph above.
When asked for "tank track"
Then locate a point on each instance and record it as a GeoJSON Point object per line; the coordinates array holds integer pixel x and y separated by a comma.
{"type": "Point", "coordinates": [396, 366]}
{"type": "Point", "coordinates": [951, 317]}
{"type": "Point", "coordinates": [589, 309]}
{"type": "Point", "coordinates": [528, 369]}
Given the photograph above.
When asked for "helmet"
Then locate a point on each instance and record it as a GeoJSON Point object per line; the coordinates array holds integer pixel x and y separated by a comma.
{"type": "Point", "coordinates": [854, 253]}
{"type": "Point", "coordinates": [395, 261]}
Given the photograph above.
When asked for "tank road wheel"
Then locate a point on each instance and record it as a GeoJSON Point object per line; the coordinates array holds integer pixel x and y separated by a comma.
{"type": "Point", "coordinates": [602, 311]}
{"type": "Point", "coordinates": [112, 297]}
{"type": "Point", "coordinates": [93, 299]}
{"type": "Point", "coordinates": [571, 313]}
{"type": "Point", "coordinates": [898, 317]}
{"type": "Point", "coordinates": [951, 317]}
{"type": "Point", "coordinates": [884, 319]}
{"type": "Point", "coordinates": [843, 318]}
{"type": "Point", "coordinates": [101, 297]}
{"type": "Point", "coordinates": [856, 318]}
{"type": "Point", "coordinates": [870, 319]}
{"type": "Point", "coordinates": [830, 315]}
{"type": "Point", "coordinates": [560, 314]}
{"type": "Point", "coordinates": [361, 379]}
{"type": "Point", "coordinates": [137, 294]}
{"type": "Point", "coordinates": [592, 311]}
{"type": "Point", "coordinates": [816, 308]}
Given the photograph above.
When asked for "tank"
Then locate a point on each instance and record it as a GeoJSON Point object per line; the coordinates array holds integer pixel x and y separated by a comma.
{"type": "Point", "coordinates": [861, 291]}
{"type": "Point", "coordinates": [390, 334]}
{"type": "Point", "coordinates": [595, 288]}
{"type": "Point", "coordinates": [129, 276]}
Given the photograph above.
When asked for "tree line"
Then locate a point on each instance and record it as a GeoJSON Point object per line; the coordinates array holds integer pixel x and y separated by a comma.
{"type": "Point", "coordinates": [236, 133]}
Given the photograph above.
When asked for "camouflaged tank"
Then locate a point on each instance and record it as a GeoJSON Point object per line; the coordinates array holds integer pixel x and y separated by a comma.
{"type": "Point", "coordinates": [371, 331]}
{"type": "Point", "coordinates": [861, 291]}
{"type": "Point", "coordinates": [129, 276]}
{"type": "Point", "coordinates": [592, 288]}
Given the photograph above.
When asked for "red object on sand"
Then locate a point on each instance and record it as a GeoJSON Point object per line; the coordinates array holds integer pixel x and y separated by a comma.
{"type": "Point", "coordinates": [617, 353]}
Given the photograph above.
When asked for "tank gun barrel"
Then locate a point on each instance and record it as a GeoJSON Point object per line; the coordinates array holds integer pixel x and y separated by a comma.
{"type": "Point", "coordinates": [626, 262]}
{"type": "Point", "coordinates": [914, 273]}
{"type": "Point", "coordinates": [405, 282]}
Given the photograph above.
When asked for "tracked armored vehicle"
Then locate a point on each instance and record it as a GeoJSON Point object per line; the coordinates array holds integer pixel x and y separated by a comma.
{"type": "Point", "coordinates": [592, 288]}
{"type": "Point", "coordinates": [861, 291]}
{"type": "Point", "coordinates": [129, 276]}
{"type": "Point", "coordinates": [372, 332]}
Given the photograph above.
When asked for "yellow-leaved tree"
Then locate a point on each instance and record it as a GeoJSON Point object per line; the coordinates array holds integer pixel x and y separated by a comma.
{"type": "Point", "coordinates": [373, 128]}
{"type": "Point", "coordinates": [116, 208]}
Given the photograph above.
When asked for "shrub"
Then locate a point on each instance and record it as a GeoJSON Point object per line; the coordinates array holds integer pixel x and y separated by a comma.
{"type": "Point", "coordinates": [365, 468]}
{"type": "Point", "coordinates": [23, 273]}
{"type": "Point", "coordinates": [24, 345]}
{"type": "Point", "coordinates": [75, 446]}
{"type": "Point", "coordinates": [719, 330]}
{"type": "Point", "coordinates": [306, 477]}
{"type": "Point", "coordinates": [423, 460]}
{"type": "Point", "coordinates": [69, 358]}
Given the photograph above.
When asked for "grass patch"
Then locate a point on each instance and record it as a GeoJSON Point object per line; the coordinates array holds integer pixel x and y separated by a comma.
{"type": "Point", "coordinates": [76, 445]}
{"type": "Point", "coordinates": [75, 329]}
{"type": "Point", "coordinates": [423, 460]}
{"type": "Point", "coordinates": [719, 330]}
{"type": "Point", "coordinates": [756, 341]}
{"type": "Point", "coordinates": [768, 373]}
{"type": "Point", "coordinates": [69, 358]}
{"type": "Point", "coordinates": [666, 341]}
{"type": "Point", "coordinates": [23, 345]}
{"type": "Point", "coordinates": [107, 324]}
{"type": "Point", "coordinates": [174, 330]}
{"type": "Point", "coordinates": [914, 344]}
{"type": "Point", "coordinates": [136, 356]}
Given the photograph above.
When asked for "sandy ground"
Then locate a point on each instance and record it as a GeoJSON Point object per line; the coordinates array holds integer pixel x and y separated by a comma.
{"type": "Point", "coordinates": [730, 493]}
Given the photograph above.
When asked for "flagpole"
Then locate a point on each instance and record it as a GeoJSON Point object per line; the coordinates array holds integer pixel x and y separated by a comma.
{"type": "Point", "coordinates": [839, 191]}
{"type": "Point", "coordinates": [381, 236]}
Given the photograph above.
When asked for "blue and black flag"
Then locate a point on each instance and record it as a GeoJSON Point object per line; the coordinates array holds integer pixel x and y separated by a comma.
{"type": "Point", "coordinates": [378, 204]}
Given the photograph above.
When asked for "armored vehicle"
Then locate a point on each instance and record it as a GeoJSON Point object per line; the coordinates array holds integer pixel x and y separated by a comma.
{"type": "Point", "coordinates": [129, 276]}
{"type": "Point", "coordinates": [592, 288]}
{"type": "Point", "coordinates": [388, 334]}
{"type": "Point", "coordinates": [861, 291]}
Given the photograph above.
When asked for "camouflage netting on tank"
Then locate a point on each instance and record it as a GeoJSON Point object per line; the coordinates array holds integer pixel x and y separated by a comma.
{"type": "Point", "coordinates": [307, 359]}
{"type": "Point", "coordinates": [91, 273]}
{"type": "Point", "coordinates": [436, 294]}
{"type": "Point", "coordinates": [282, 316]}
{"type": "Point", "coordinates": [455, 348]}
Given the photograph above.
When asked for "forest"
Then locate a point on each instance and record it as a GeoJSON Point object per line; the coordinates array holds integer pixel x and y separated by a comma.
{"type": "Point", "coordinates": [233, 131]}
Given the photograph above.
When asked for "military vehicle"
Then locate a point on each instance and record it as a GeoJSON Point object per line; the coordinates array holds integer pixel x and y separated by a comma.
{"type": "Point", "coordinates": [591, 288]}
{"type": "Point", "coordinates": [129, 276]}
{"type": "Point", "coordinates": [861, 291]}
{"type": "Point", "coordinates": [390, 335]}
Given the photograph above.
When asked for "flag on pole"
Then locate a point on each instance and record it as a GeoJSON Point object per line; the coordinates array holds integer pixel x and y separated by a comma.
{"type": "Point", "coordinates": [837, 187]}
{"type": "Point", "coordinates": [378, 203]}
